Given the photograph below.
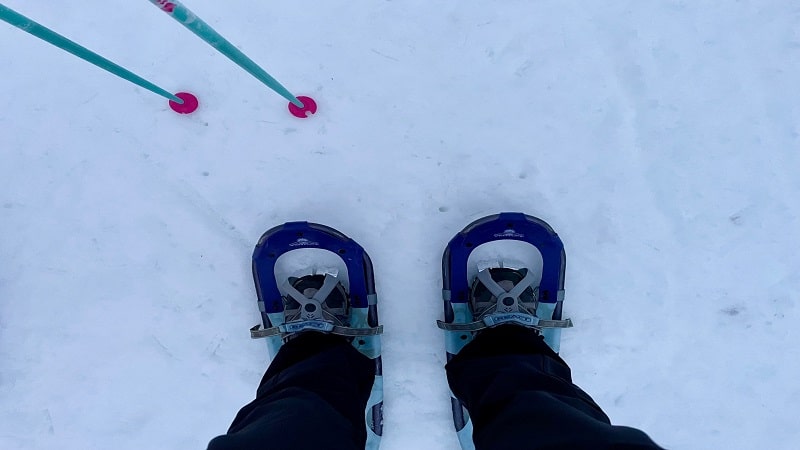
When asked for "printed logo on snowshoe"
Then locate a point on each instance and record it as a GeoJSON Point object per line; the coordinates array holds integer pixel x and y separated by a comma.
{"type": "Point", "coordinates": [303, 242]}
{"type": "Point", "coordinates": [522, 319]}
{"type": "Point", "coordinates": [515, 317]}
{"type": "Point", "coordinates": [509, 234]}
{"type": "Point", "coordinates": [308, 325]}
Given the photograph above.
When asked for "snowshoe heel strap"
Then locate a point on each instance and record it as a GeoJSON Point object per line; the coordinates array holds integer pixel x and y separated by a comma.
{"type": "Point", "coordinates": [258, 332]}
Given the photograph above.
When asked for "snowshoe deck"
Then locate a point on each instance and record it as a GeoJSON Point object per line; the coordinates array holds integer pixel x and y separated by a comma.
{"type": "Point", "coordinates": [539, 277]}
{"type": "Point", "coordinates": [344, 265]}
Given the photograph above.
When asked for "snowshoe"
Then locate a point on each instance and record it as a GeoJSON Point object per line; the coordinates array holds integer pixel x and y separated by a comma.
{"type": "Point", "coordinates": [311, 277]}
{"type": "Point", "coordinates": [506, 268]}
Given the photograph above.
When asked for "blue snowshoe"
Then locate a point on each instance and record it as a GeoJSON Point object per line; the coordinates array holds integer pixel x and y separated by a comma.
{"type": "Point", "coordinates": [506, 268]}
{"type": "Point", "coordinates": [311, 277]}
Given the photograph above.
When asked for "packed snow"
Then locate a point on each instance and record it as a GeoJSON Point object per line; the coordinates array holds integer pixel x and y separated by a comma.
{"type": "Point", "coordinates": [660, 139]}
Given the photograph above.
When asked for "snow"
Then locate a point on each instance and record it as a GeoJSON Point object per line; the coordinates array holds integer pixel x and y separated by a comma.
{"type": "Point", "coordinates": [660, 139]}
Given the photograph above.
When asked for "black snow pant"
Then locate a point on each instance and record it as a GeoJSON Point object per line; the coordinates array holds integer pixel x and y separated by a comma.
{"type": "Point", "coordinates": [519, 394]}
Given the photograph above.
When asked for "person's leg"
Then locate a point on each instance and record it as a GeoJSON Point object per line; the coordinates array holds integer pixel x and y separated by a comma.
{"type": "Point", "coordinates": [312, 396]}
{"type": "Point", "coordinates": [519, 394]}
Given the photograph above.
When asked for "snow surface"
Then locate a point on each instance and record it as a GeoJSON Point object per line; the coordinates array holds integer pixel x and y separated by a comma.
{"type": "Point", "coordinates": [660, 139]}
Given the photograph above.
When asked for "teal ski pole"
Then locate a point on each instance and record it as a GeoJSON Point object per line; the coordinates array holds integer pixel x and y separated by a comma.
{"type": "Point", "coordinates": [204, 31]}
{"type": "Point", "coordinates": [182, 102]}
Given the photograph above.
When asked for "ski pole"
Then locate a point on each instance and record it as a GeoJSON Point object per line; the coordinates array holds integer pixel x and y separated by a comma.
{"type": "Point", "coordinates": [182, 102]}
{"type": "Point", "coordinates": [188, 19]}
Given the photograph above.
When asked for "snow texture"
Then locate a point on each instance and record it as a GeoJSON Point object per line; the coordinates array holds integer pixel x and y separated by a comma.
{"type": "Point", "coordinates": [660, 139]}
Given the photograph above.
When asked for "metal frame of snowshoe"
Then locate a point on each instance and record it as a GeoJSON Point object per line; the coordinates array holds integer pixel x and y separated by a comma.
{"type": "Point", "coordinates": [363, 317]}
{"type": "Point", "coordinates": [458, 316]}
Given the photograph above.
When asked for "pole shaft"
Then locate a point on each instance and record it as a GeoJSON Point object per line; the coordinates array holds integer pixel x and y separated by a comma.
{"type": "Point", "coordinates": [204, 31]}
{"type": "Point", "coordinates": [50, 36]}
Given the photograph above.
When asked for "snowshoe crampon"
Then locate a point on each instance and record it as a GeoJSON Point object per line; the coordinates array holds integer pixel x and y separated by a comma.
{"type": "Point", "coordinates": [311, 277]}
{"type": "Point", "coordinates": [502, 269]}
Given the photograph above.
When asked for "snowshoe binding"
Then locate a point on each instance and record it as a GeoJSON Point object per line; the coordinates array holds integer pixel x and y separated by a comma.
{"type": "Point", "coordinates": [506, 268]}
{"type": "Point", "coordinates": [311, 277]}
